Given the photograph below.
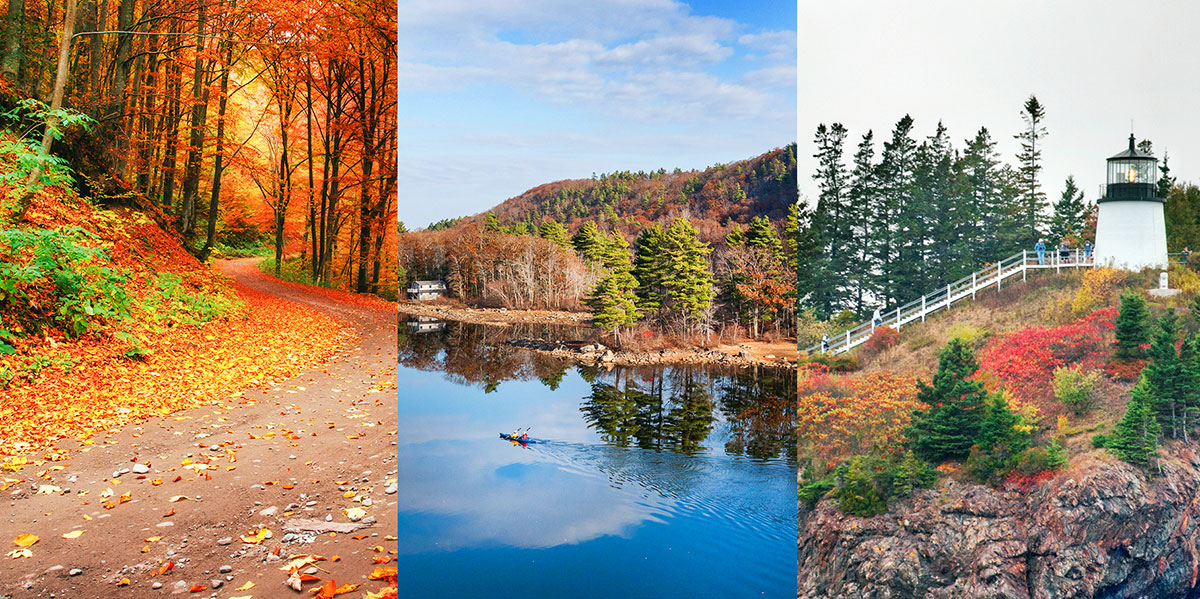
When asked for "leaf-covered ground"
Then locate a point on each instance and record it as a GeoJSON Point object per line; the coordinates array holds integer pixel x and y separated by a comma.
{"type": "Point", "coordinates": [285, 482]}
{"type": "Point", "coordinates": [187, 367]}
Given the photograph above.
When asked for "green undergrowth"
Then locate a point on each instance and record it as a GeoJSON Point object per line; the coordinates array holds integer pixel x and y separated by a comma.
{"type": "Point", "coordinates": [61, 283]}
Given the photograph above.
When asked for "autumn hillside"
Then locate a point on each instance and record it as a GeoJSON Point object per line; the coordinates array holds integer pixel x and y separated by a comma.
{"type": "Point", "coordinates": [1048, 356]}
{"type": "Point", "coordinates": [764, 185]}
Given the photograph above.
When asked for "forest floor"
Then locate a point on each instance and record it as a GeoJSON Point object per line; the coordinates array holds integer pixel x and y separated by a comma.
{"type": "Point", "coordinates": [219, 498]}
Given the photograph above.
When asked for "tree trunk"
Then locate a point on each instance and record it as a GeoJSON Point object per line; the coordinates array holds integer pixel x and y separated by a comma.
{"type": "Point", "coordinates": [97, 50]}
{"type": "Point", "coordinates": [199, 99]}
{"type": "Point", "coordinates": [13, 37]}
{"type": "Point", "coordinates": [219, 160]}
{"type": "Point", "coordinates": [60, 83]}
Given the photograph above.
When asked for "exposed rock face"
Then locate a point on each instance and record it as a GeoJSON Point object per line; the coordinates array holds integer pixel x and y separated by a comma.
{"type": "Point", "coordinates": [1100, 530]}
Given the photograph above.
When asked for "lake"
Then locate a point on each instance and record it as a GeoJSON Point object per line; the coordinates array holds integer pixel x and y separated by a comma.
{"type": "Point", "coordinates": [650, 482]}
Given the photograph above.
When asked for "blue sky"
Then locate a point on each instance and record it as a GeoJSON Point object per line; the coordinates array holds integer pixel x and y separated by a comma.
{"type": "Point", "coordinates": [498, 97]}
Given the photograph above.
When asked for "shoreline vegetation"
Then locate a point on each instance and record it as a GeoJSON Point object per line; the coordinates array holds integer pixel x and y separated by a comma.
{"type": "Point", "coordinates": [775, 354]}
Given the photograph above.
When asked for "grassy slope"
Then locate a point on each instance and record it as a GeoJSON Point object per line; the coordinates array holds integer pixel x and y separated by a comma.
{"type": "Point", "coordinates": [1042, 301]}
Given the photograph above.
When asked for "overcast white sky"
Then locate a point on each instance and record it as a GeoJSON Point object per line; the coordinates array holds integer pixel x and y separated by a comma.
{"type": "Point", "coordinates": [499, 96]}
{"type": "Point", "coordinates": [1093, 64]}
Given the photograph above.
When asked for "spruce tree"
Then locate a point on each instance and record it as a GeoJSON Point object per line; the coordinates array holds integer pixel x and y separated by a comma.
{"type": "Point", "coordinates": [984, 197]}
{"type": "Point", "coordinates": [1070, 212]}
{"type": "Point", "coordinates": [1165, 376]}
{"type": "Point", "coordinates": [951, 423]}
{"type": "Point", "coordinates": [1032, 199]}
{"type": "Point", "coordinates": [864, 197]}
{"type": "Point", "coordinates": [898, 236]}
{"type": "Point", "coordinates": [1135, 438]}
{"type": "Point", "coordinates": [1132, 331]}
{"type": "Point", "coordinates": [1189, 380]}
{"type": "Point", "coordinates": [834, 205]}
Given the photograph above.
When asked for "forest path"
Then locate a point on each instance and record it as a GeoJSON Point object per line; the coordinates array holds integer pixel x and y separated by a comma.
{"type": "Point", "coordinates": [282, 458]}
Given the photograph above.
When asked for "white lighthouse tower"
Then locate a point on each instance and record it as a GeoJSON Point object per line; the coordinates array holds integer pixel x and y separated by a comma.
{"type": "Point", "coordinates": [1130, 231]}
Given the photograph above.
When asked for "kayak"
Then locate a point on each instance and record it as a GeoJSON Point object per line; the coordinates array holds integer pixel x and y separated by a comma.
{"type": "Point", "coordinates": [518, 439]}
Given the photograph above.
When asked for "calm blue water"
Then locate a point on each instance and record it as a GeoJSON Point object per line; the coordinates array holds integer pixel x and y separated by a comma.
{"type": "Point", "coordinates": [652, 483]}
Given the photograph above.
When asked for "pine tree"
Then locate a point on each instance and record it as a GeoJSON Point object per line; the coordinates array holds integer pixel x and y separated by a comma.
{"type": "Point", "coordinates": [613, 299]}
{"type": "Point", "coordinates": [951, 423]}
{"type": "Point", "coordinates": [736, 236]}
{"type": "Point", "coordinates": [686, 278]}
{"type": "Point", "coordinates": [589, 242]}
{"type": "Point", "coordinates": [648, 264]}
{"type": "Point", "coordinates": [1132, 331]}
{"type": "Point", "coordinates": [1070, 212]}
{"type": "Point", "coordinates": [491, 224]}
{"type": "Point", "coordinates": [791, 234]}
{"type": "Point", "coordinates": [556, 232]}
{"type": "Point", "coordinates": [1135, 438]}
{"type": "Point", "coordinates": [762, 235]}
{"type": "Point", "coordinates": [1033, 200]}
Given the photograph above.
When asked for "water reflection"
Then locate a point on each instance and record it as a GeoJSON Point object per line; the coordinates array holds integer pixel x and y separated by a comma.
{"type": "Point", "coordinates": [651, 407]}
{"type": "Point", "coordinates": [660, 482]}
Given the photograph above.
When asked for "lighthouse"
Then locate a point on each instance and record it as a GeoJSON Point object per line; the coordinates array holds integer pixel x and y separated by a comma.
{"type": "Point", "coordinates": [1130, 231]}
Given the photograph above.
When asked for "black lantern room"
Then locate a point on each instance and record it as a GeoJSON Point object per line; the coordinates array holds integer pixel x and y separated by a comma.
{"type": "Point", "coordinates": [1132, 175]}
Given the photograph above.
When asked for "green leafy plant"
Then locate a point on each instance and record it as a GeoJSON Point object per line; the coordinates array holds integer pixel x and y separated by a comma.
{"type": "Point", "coordinates": [1075, 388]}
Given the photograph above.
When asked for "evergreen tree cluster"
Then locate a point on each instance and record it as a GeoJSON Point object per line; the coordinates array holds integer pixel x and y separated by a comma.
{"type": "Point", "coordinates": [669, 279]}
{"type": "Point", "coordinates": [886, 229]}
{"type": "Point", "coordinates": [1166, 399]}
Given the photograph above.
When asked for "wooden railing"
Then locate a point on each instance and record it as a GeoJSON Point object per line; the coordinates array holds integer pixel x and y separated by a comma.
{"type": "Point", "coordinates": [989, 277]}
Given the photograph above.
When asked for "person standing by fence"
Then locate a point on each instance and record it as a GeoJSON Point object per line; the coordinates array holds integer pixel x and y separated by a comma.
{"type": "Point", "coordinates": [1040, 248]}
{"type": "Point", "coordinates": [1064, 251]}
{"type": "Point", "coordinates": [876, 320]}
{"type": "Point", "coordinates": [1087, 251]}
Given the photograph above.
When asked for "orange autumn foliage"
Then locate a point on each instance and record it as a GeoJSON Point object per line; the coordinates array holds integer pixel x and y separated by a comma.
{"type": "Point", "coordinates": [189, 366]}
{"type": "Point", "coordinates": [844, 415]}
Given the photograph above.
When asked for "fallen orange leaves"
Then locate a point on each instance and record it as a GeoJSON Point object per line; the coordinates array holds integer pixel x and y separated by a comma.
{"type": "Point", "coordinates": [189, 366]}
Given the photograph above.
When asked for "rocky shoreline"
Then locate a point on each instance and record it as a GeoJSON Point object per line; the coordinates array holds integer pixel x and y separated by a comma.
{"type": "Point", "coordinates": [494, 316]}
{"type": "Point", "coordinates": [1100, 529]}
{"type": "Point", "coordinates": [599, 354]}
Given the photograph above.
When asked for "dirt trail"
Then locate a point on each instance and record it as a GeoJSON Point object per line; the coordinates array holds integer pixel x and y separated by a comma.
{"type": "Point", "coordinates": [304, 451]}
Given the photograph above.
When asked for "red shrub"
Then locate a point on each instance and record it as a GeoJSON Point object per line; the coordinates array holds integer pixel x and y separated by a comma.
{"type": "Point", "coordinates": [1122, 370]}
{"type": "Point", "coordinates": [883, 338]}
{"type": "Point", "coordinates": [1024, 361]}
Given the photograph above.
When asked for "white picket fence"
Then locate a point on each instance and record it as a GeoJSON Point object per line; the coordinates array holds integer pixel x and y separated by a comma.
{"type": "Point", "coordinates": [990, 277]}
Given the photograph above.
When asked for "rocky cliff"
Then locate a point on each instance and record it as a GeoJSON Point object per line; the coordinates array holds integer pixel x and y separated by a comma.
{"type": "Point", "coordinates": [1100, 529]}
